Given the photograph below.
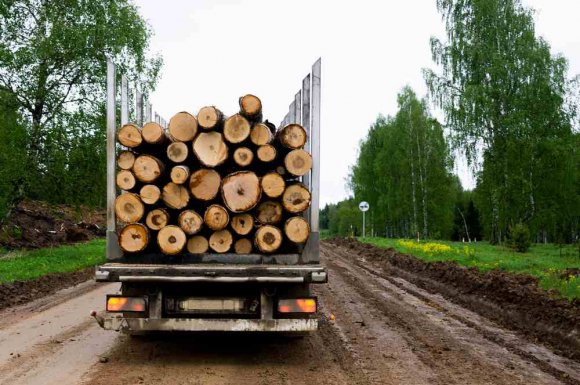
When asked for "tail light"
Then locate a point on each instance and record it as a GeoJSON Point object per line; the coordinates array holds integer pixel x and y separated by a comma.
{"type": "Point", "coordinates": [117, 303]}
{"type": "Point", "coordinates": [297, 305]}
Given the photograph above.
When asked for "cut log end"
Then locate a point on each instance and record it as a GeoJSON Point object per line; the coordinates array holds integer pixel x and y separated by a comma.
{"type": "Point", "coordinates": [157, 219]}
{"type": "Point", "coordinates": [177, 152]}
{"type": "Point", "coordinates": [150, 194]}
{"type": "Point", "coordinates": [129, 208]}
{"type": "Point", "coordinates": [133, 238]}
{"type": "Point", "coordinates": [260, 134]}
{"type": "Point", "coordinates": [268, 239]}
{"type": "Point", "coordinates": [210, 149]}
{"type": "Point", "coordinates": [243, 246]}
{"type": "Point", "coordinates": [125, 160]}
{"type": "Point", "coordinates": [183, 127]}
{"type": "Point", "coordinates": [273, 185]}
{"type": "Point", "coordinates": [221, 241]}
{"type": "Point", "coordinates": [204, 184]}
{"type": "Point", "coordinates": [292, 136]}
{"type": "Point", "coordinates": [179, 174]}
{"type": "Point", "coordinates": [266, 153]}
{"type": "Point", "coordinates": [296, 198]}
{"type": "Point", "coordinates": [216, 217]}
{"type": "Point", "coordinates": [243, 224]}
{"type": "Point", "coordinates": [269, 213]}
{"type": "Point", "coordinates": [236, 129]}
{"type": "Point", "coordinates": [298, 162]}
{"type": "Point", "coordinates": [250, 105]}
{"type": "Point", "coordinates": [190, 222]}
{"type": "Point", "coordinates": [171, 240]}
{"type": "Point", "coordinates": [209, 117]}
{"type": "Point", "coordinates": [243, 156]}
{"type": "Point", "coordinates": [241, 191]}
{"type": "Point", "coordinates": [297, 230]}
{"type": "Point", "coordinates": [153, 133]}
{"type": "Point", "coordinates": [197, 245]}
{"type": "Point", "coordinates": [175, 196]}
{"type": "Point", "coordinates": [147, 168]}
{"type": "Point", "coordinates": [126, 180]}
{"type": "Point", "coordinates": [130, 136]}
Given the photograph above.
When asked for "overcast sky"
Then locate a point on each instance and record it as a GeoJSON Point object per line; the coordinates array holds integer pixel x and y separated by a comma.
{"type": "Point", "coordinates": [218, 50]}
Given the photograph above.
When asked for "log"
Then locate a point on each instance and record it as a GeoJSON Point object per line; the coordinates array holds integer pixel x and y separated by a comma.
{"type": "Point", "coordinates": [175, 196]}
{"type": "Point", "coordinates": [150, 194]}
{"type": "Point", "coordinates": [292, 136]}
{"type": "Point", "coordinates": [190, 222]}
{"type": "Point", "coordinates": [147, 168]}
{"type": "Point", "coordinates": [210, 148]}
{"type": "Point", "coordinates": [297, 229]}
{"type": "Point", "coordinates": [157, 219]}
{"type": "Point", "coordinates": [210, 118]}
{"type": "Point", "coordinates": [221, 241]}
{"type": "Point", "coordinates": [251, 107]}
{"type": "Point", "coordinates": [216, 217]}
{"type": "Point", "coordinates": [241, 191]}
{"type": "Point", "coordinates": [179, 174]}
{"type": "Point", "coordinates": [204, 184]}
{"type": "Point", "coordinates": [296, 198]}
{"type": "Point", "coordinates": [268, 239]}
{"type": "Point", "coordinates": [153, 133]}
{"type": "Point", "coordinates": [197, 244]}
{"type": "Point", "coordinates": [126, 180]}
{"type": "Point", "coordinates": [298, 162]}
{"type": "Point", "coordinates": [269, 213]}
{"type": "Point", "coordinates": [125, 160]}
{"type": "Point", "coordinates": [171, 240]}
{"type": "Point", "coordinates": [273, 185]}
{"type": "Point", "coordinates": [236, 129]}
{"type": "Point", "coordinates": [243, 246]}
{"type": "Point", "coordinates": [130, 136]}
{"type": "Point", "coordinates": [129, 208]}
{"type": "Point", "coordinates": [261, 134]}
{"type": "Point", "coordinates": [177, 152]}
{"type": "Point", "coordinates": [243, 156]}
{"type": "Point", "coordinates": [133, 238]}
{"type": "Point", "coordinates": [182, 127]}
{"type": "Point", "coordinates": [242, 224]}
{"type": "Point", "coordinates": [267, 153]}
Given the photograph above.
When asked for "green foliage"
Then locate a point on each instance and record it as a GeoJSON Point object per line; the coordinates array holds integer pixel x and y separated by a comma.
{"type": "Point", "coordinates": [519, 238]}
{"type": "Point", "coordinates": [343, 219]}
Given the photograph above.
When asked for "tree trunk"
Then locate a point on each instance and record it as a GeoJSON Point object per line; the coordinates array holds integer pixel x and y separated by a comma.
{"type": "Point", "coordinates": [210, 118]}
{"type": "Point", "coordinates": [216, 217]}
{"type": "Point", "coordinates": [150, 194]}
{"type": "Point", "coordinates": [243, 224]}
{"type": "Point", "coordinates": [261, 134]}
{"type": "Point", "coordinates": [293, 136]}
{"type": "Point", "coordinates": [175, 196]}
{"type": "Point", "coordinates": [269, 213]}
{"type": "Point", "coordinates": [182, 127]}
{"type": "Point", "coordinates": [243, 246]}
{"type": "Point", "coordinates": [268, 239]}
{"type": "Point", "coordinates": [130, 136]}
{"type": "Point", "coordinates": [221, 241]}
{"type": "Point", "coordinates": [171, 240]}
{"type": "Point", "coordinates": [147, 168]}
{"type": "Point", "coordinates": [251, 107]}
{"type": "Point", "coordinates": [190, 222]}
{"type": "Point", "coordinates": [297, 229]}
{"type": "Point", "coordinates": [241, 191]}
{"type": "Point", "coordinates": [272, 185]}
{"type": "Point", "coordinates": [296, 198]}
{"type": "Point", "coordinates": [243, 156]}
{"type": "Point", "coordinates": [236, 129]}
{"type": "Point", "coordinates": [126, 160]}
{"type": "Point", "coordinates": [179, 174]}
{"type": "Point", "coordinates": [197, 245]}
{"type": "Point", "coordinates": [126, 180]}
{"type": "Point", "coordinates": [177, 152]}
{"type": "Point", "coordinates": [298, 162]}
{"type": "Point", "coordinates": [133, 238]}
{"type": "Point", "coordinates": [153, 133]}
{"type": "Point", "coordinates": [157, 219]}
{"type": "Point", "coordinates": [210, 148]}
{"type": "Point", "coordinates": [267, 153]}
{"type": "Point", "coordinates": [129, 208]}
{"type": "Point", "coordinates": [204, 184]}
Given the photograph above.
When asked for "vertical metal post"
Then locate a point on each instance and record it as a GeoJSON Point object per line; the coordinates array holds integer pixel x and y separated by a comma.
{"type": "Point", "coordinates": [124, 100]}
{"type": "Point", "coordinates": [150, 112]}
{"type": "Point", "coordinates": [298, 107]}
{"type": "Point", "coordinates": [138, 107]}
{"type": "Point", "coordinates": [112, 245]}
{"type": "Point", "coordinates": [364, 225]}
{"type": "Point", "coordinates": [306, 122]}
{"type": "Point", "coordinates": [315, 144]}
{"type": "Point", "coordinates": [292, 112]}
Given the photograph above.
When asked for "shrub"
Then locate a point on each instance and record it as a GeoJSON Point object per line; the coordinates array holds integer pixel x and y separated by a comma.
{"type": "Point", "coordinates": [519, 238]}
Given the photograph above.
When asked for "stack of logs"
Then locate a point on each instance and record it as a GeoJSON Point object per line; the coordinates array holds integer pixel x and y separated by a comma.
{"type": "Point", "coordinates": [213, 183]}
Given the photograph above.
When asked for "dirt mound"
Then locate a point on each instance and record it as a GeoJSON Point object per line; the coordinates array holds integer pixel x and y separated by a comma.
{"type": "Point", "coordinates": [514, 300]}
{"type": "Point", "coordinates": [34, 224]}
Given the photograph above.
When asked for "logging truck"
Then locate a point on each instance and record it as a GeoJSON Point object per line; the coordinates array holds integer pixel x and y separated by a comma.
{"type": "Point", "coordinates": [212, 220]}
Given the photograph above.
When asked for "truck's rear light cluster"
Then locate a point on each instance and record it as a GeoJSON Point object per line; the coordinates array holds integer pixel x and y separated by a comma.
{"type": "Point", "coordinates": [117, 303]}
{"type": "Point", "coordinates": [297, 305]}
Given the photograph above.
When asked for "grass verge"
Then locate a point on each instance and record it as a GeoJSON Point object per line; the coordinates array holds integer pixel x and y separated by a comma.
{"type": "Point", "coordinates": [555, 267]}
{"type": "Point", "coordinates": [31, 264]}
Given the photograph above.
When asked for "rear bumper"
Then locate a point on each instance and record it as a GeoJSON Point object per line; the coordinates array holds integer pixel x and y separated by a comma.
{"type": "Point", "coordinates": [128, 325]}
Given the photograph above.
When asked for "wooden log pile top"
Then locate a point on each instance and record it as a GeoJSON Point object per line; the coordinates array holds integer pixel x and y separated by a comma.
{"type": "Point", "coordinates": [213, 184]}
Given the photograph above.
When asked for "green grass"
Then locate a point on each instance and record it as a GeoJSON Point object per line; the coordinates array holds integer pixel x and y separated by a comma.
{"type": "Point", "coordinates": [547, 262]}
{"type": "Point", "coordinates": [31, 264]}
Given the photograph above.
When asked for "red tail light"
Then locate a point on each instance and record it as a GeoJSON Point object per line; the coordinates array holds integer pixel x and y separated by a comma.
{"type": "Point", "coordinates": [126, 304]}
{"type": "Point", "coordinates": [297, 305]}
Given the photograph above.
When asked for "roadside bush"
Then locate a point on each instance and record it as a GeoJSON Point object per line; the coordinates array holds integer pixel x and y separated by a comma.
{"type": "Point", "coordinates": [519, 238]}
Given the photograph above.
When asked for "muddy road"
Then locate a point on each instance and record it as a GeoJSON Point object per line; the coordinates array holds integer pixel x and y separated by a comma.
{"type": "Point", "coordinates": [386, 331]}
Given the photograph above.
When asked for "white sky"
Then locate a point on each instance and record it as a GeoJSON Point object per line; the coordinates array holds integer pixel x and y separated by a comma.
{"type": "Point", "coordinates": [218, 50]}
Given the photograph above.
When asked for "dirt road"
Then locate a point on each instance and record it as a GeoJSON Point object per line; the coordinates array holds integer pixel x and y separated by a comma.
{"type": "Point", "coordinates": [386, 331]}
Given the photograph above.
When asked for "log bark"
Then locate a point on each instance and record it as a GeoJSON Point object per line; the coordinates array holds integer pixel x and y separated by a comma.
{"type": "Point", "coordinates": [130, 136]}
{"type": "Point", "coordinates": [251, 107]}
{"type": "Point", "coordinates": [175, 196]}
{"type": "Point", "coordinates": [292, 136]}
{"type": "Point", "coordinates": [150, 194]}
{"type": "Point", "coordinates": [236, 129]}
{"type": "Point", "coordinates": [182, 127]}
{"type": "Point", "coordinates": [298, 162]}
{"type": "Point", "coordinates": [216, 217]}
{"type": "Point", "coordinates": [157, 219]}
{"type": "Point", "coordinates": [147, 168]}
{"type": "Point", "coordinates": [261, 134]}
{"type": "Point", "coordinates": [125, 160]}
{"type": "Point", "coordinates": [179, 174]}
{"type": "Point", "coordinates": [171, 240]}
{"type": "Point", "coordinates": [268, 239]}
{"type": "Point", "coordinates": [297, 230]}
{"type": "Point", "coordinates": [243, 224]}
{"type": "Point", "coordinates": [210, 118]}
{"type": "Point", "coordinates": [243, 246]}
{"type": "Point", "coordinates": [269, 213]}
{"type": "Point", "coordinates": [243, 156]}
{"type": "Point", "coordinates": [153, 133]}
{"type": "Point", "coordinates": [210, 148]}
{"type": "Point", "coordinates": [126, 180]}
{"type": "Point", "coordinates": [267, 153]}
{"type": "Point", "coordinates": [190, 222]}
{"type": "Point", "coordinates": [241, 191]}
{"type": "Point", "coordinates": [133, 238]}
{"type": "Point", "coordinates": [177, 152]}
{"type": "Point", "coordinates": [221, 241]}
{"type": "Point", "coordinates": [129, 208]}
{"type": "Point", "coordinates": [273, 185]}
{"type": "Point", "coordinates": [204, 184]}
{"type": "Point", "coordinates": [197, 244]}
{"type": "Point", "coordinates": [296, 198]}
